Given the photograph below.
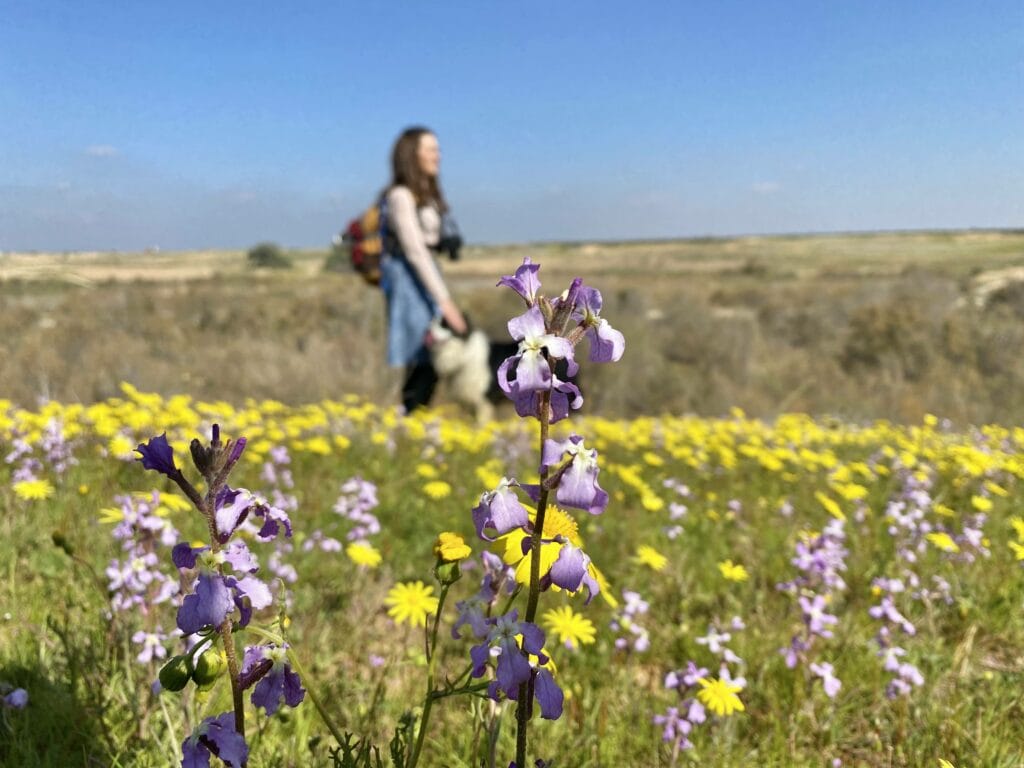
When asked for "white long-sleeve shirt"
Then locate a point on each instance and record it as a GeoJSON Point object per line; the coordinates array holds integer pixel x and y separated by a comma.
{"type": "Point", "coordinates": [417, 230]}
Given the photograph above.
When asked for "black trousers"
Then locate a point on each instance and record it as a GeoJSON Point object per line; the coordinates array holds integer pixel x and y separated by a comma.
{"type": "Point", "coordinates": [420, 382]}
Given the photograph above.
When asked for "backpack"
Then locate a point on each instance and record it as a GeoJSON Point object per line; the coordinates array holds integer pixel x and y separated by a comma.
{"type": "Point", "coordinates": [364, 241]}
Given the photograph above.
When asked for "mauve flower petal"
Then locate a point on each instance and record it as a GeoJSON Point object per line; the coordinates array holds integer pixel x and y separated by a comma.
{"type": "Point", "coordinates": [569, 568]}
{"type": "Point", "coordinates": [231, 515]}
{"type": "Point", "coordinates": [227, 743]}
{"type": "Point", "coordinates": [258, 593]}
{"type": "Point", "coordinates": [549, 695]}
{"type": "Point", "coordinates": [578, 488]}
{"type": "Point", "coordinates": [606, 343]}
{"type": "Point", "coordinates": [525, 281]}
{"type": "Point", "coordinates": [210, 604]}
{"type": "Point", "coordinates": [269, 690]}
{"type": "Point", "coordinates": [499, 509]}
{"type": "Point", "coordinates": [479, 655]}
{"type": "Point", "coordinates": [533, 637]}
{"type": "Point", "coordinates": [529, 325]}
{"type": "Point", "coordinates": [513, 668]}
{"type": "Point", "coordinates": [194, 754]}
{"type": "Point", "coordinates": [533, 372]}
{"type": "Point", "coordinates": [294, 693]}
{"type": "Point", "coordinates": [237, 554]}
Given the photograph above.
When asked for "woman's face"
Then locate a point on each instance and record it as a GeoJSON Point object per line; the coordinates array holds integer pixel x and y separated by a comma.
{"type": "Point", "coordinates": [429, 154]}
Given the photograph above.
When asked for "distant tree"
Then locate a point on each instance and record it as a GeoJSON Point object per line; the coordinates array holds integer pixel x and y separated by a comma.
{"type": "Point", "coordinates": [339, 258]}
{"type": "Point", "coordinates": [268, 255]}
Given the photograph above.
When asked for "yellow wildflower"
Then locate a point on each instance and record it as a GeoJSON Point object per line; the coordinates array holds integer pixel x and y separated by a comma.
{"type": "Point", "coordinates": [720, 696]}
{"type": "Point", "coordinates": [943, 541]}
{"type": "Point", "coordinates": [830, 505]}
{"type": "Point", "coordinates": [411, 602]}
{"type": "Point", "coordinates": [651, 557]}
{"type": "Point", "coordinates": [733, 571]}
{"type": "Point", "coordinates": [33, 490]}
{"type": "Point", "coordinates": [437, 489]}
{"type": "Point", "coordinates": [451, 547]}
{"type": "Point", "coordinates": [363, 554]}
{"type": "Point", "coordinates": [572, 628]}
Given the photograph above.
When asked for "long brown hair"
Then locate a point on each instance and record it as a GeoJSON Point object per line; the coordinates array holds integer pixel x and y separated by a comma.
{"type": "Point", "coordinates": [405, 169]}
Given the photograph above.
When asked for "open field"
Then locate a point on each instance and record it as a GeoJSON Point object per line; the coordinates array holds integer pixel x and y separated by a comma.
{"type": "Point", "coordinates": [857, 326]}
{"type": "Point", "coordinates": [776, 589]}
{"type": "Point", "coordinates": [930, 527]}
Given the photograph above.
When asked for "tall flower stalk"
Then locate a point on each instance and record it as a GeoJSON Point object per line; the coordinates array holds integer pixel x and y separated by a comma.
{"type": "Point", "coordinates": [538, 380]}
{"type": "Point", "coordinates": [225, 594]}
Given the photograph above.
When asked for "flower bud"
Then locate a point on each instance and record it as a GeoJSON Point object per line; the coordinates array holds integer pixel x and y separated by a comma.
{"type": "Point", "coordinates": [209, 666]}
{"type": "Point", "coordinates": [447, 573]}
{"type": "Point", "coordinates": [175, 674]}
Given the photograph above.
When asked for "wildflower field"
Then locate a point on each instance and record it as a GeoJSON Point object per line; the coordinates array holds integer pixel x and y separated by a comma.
{"type": "Point", "coordinates": [255, 583]}
{"type": "Point", "coordinates": [792, 592]}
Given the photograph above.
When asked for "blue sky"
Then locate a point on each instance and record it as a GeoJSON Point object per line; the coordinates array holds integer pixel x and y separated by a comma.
{"type": "Point", "coordinates": [190, 125]}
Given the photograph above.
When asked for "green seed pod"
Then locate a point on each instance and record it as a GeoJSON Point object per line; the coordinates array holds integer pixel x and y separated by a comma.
{"type": "Point", "coordinates": [209, 667]}
{"type": "Point", "coordinates": [175, 674]}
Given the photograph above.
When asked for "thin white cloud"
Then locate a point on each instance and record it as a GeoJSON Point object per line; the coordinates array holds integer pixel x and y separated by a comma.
{"type": "Point", "coordinates": [765, 187]}
{"type": "Point", "coordinates": [100, 150]}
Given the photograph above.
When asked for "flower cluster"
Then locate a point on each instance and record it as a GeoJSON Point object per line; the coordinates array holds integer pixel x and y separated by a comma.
{"type": "Point", "coordinates": [630, 634]}
{"type": "Point", "coordinates": [698, 692]}
{"type": "Point", "coordinates": [542, 543]}
{"type": "Point", "coordinates": [820, 560]}
{"type": "Point", "coordinates": [355, 502]}
{"type": "Point", "coordinates": [137, 581]}
{"type": "Point", "coordinates": [224, 592]}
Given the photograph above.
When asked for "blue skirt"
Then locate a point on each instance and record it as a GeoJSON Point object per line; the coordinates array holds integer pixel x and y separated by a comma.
{"type": "Point", "coordinates": [410, 310]}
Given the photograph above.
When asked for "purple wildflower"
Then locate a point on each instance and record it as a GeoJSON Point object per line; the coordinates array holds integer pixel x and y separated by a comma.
{"type": "Point", "coordinates": [215, 736]}
{"type": "Point", "coordinates": [209, 605]}
{"type": "Point", "coordinates": [577, 484]}
{"type": "Point", "coordinates": [275, 682]}
{"type": "Point", "coordinates": [16, 699]}
{"type": "Point", "coordinates": [499, 510]}
{"type": "Point", "coordinates": [532, 370]}
{"type": "Point", "coordinates": [157, 454]}
{"type": "Point", "coordinates": [524, 282]}
{"type": "Point", "coordinates": [606, 343]}
{"type": "Point", "coordinates": [828, 679]}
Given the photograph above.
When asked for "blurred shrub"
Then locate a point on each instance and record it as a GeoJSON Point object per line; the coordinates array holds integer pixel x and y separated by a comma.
{"type": "Point", "coordinates": [892, 335]}
{"type": "Point", "coordinates": [268, 255]}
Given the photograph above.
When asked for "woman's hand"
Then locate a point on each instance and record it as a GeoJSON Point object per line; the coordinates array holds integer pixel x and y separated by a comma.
{"type": "Point", "coordinates": [453, 316]}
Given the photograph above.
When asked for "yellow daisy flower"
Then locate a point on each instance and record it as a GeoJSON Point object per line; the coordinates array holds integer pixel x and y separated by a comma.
{"type": "Point", "coordinates": [363, 554]}
{"type": "Point", "coordinates": [572, 628]}
{"type": "Point", "coordinates": [720, 696]}
{"type": "Point", "coordinates": [556, 523]}
{"type": "Point", "coordinates": [33, 490]}
{"type": "Point", "coordinates": [411, 603]}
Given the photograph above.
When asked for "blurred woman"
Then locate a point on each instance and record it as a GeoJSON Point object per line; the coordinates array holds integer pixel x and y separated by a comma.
{"type": "Point", "coordinates": [416, 217]}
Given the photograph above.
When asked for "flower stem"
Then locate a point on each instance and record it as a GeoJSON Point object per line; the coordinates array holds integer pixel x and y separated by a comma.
{"type": "Point", "coordinates": [297, 665]}
{"type": "Point", "coordinates": [428, 699]}
{"type": "Point", "coordinates": [524, 705]}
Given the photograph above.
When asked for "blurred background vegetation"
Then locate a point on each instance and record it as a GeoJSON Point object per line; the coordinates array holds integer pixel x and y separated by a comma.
{"type": "Point", "coordinates": [856, 326]}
